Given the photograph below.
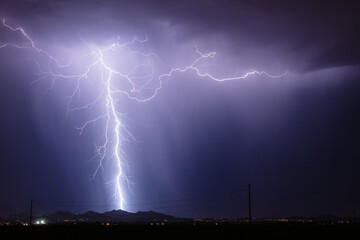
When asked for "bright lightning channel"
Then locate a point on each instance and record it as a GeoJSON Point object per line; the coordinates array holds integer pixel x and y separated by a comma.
{"type": "Point", "coordinates": [140, 82]}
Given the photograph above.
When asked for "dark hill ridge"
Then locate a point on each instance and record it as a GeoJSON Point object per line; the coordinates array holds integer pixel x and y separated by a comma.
{"type": "Point", "coordinates": [61, 215]}
{"type": "Point", "coordinates": [110, 216]}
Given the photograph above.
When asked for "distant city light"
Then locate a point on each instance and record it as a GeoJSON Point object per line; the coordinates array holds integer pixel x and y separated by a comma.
{"type": "Point", "coordinates": [40, 222]}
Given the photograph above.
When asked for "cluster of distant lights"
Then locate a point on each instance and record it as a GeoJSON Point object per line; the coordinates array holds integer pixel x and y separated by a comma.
{"type": "Point", "coordinates": [115, 130]}
{"type": "Point", "coordinates": [37, 222]}
{"type": "Point", "coordinates": [40, 222]}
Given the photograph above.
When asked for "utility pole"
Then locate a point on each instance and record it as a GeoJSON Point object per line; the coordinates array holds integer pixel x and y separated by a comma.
{"type": "Point", "coordinates": [249, 193]}
{"type": "Point", "coordinates": [31, 203]}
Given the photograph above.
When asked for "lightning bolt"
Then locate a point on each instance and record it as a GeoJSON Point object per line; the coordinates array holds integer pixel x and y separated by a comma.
{"type": "Point", "coordinates": [141, 82]}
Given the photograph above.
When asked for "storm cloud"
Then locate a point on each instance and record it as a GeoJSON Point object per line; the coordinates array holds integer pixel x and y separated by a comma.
{"type": "Point", "coordinates": [199, 142]}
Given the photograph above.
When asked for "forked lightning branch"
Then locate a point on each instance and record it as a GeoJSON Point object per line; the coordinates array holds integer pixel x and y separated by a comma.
{"type": "Point", "coordinates": [140, 81]}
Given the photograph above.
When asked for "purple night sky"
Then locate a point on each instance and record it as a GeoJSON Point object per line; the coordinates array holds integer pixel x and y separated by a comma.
{"type": "Point", "coordinates": [198, 143]}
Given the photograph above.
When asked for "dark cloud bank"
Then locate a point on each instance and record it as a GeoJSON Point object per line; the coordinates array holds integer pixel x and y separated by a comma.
{"type": "Point", "coordinates": [295, 139]}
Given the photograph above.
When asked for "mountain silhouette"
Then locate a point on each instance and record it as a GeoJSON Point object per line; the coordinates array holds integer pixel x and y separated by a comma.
{"type": "Point", "coordinates": [110, 216]}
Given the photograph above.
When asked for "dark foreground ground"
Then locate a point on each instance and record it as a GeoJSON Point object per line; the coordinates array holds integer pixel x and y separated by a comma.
{"type": "Point", "coordinates": [240, 231]}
